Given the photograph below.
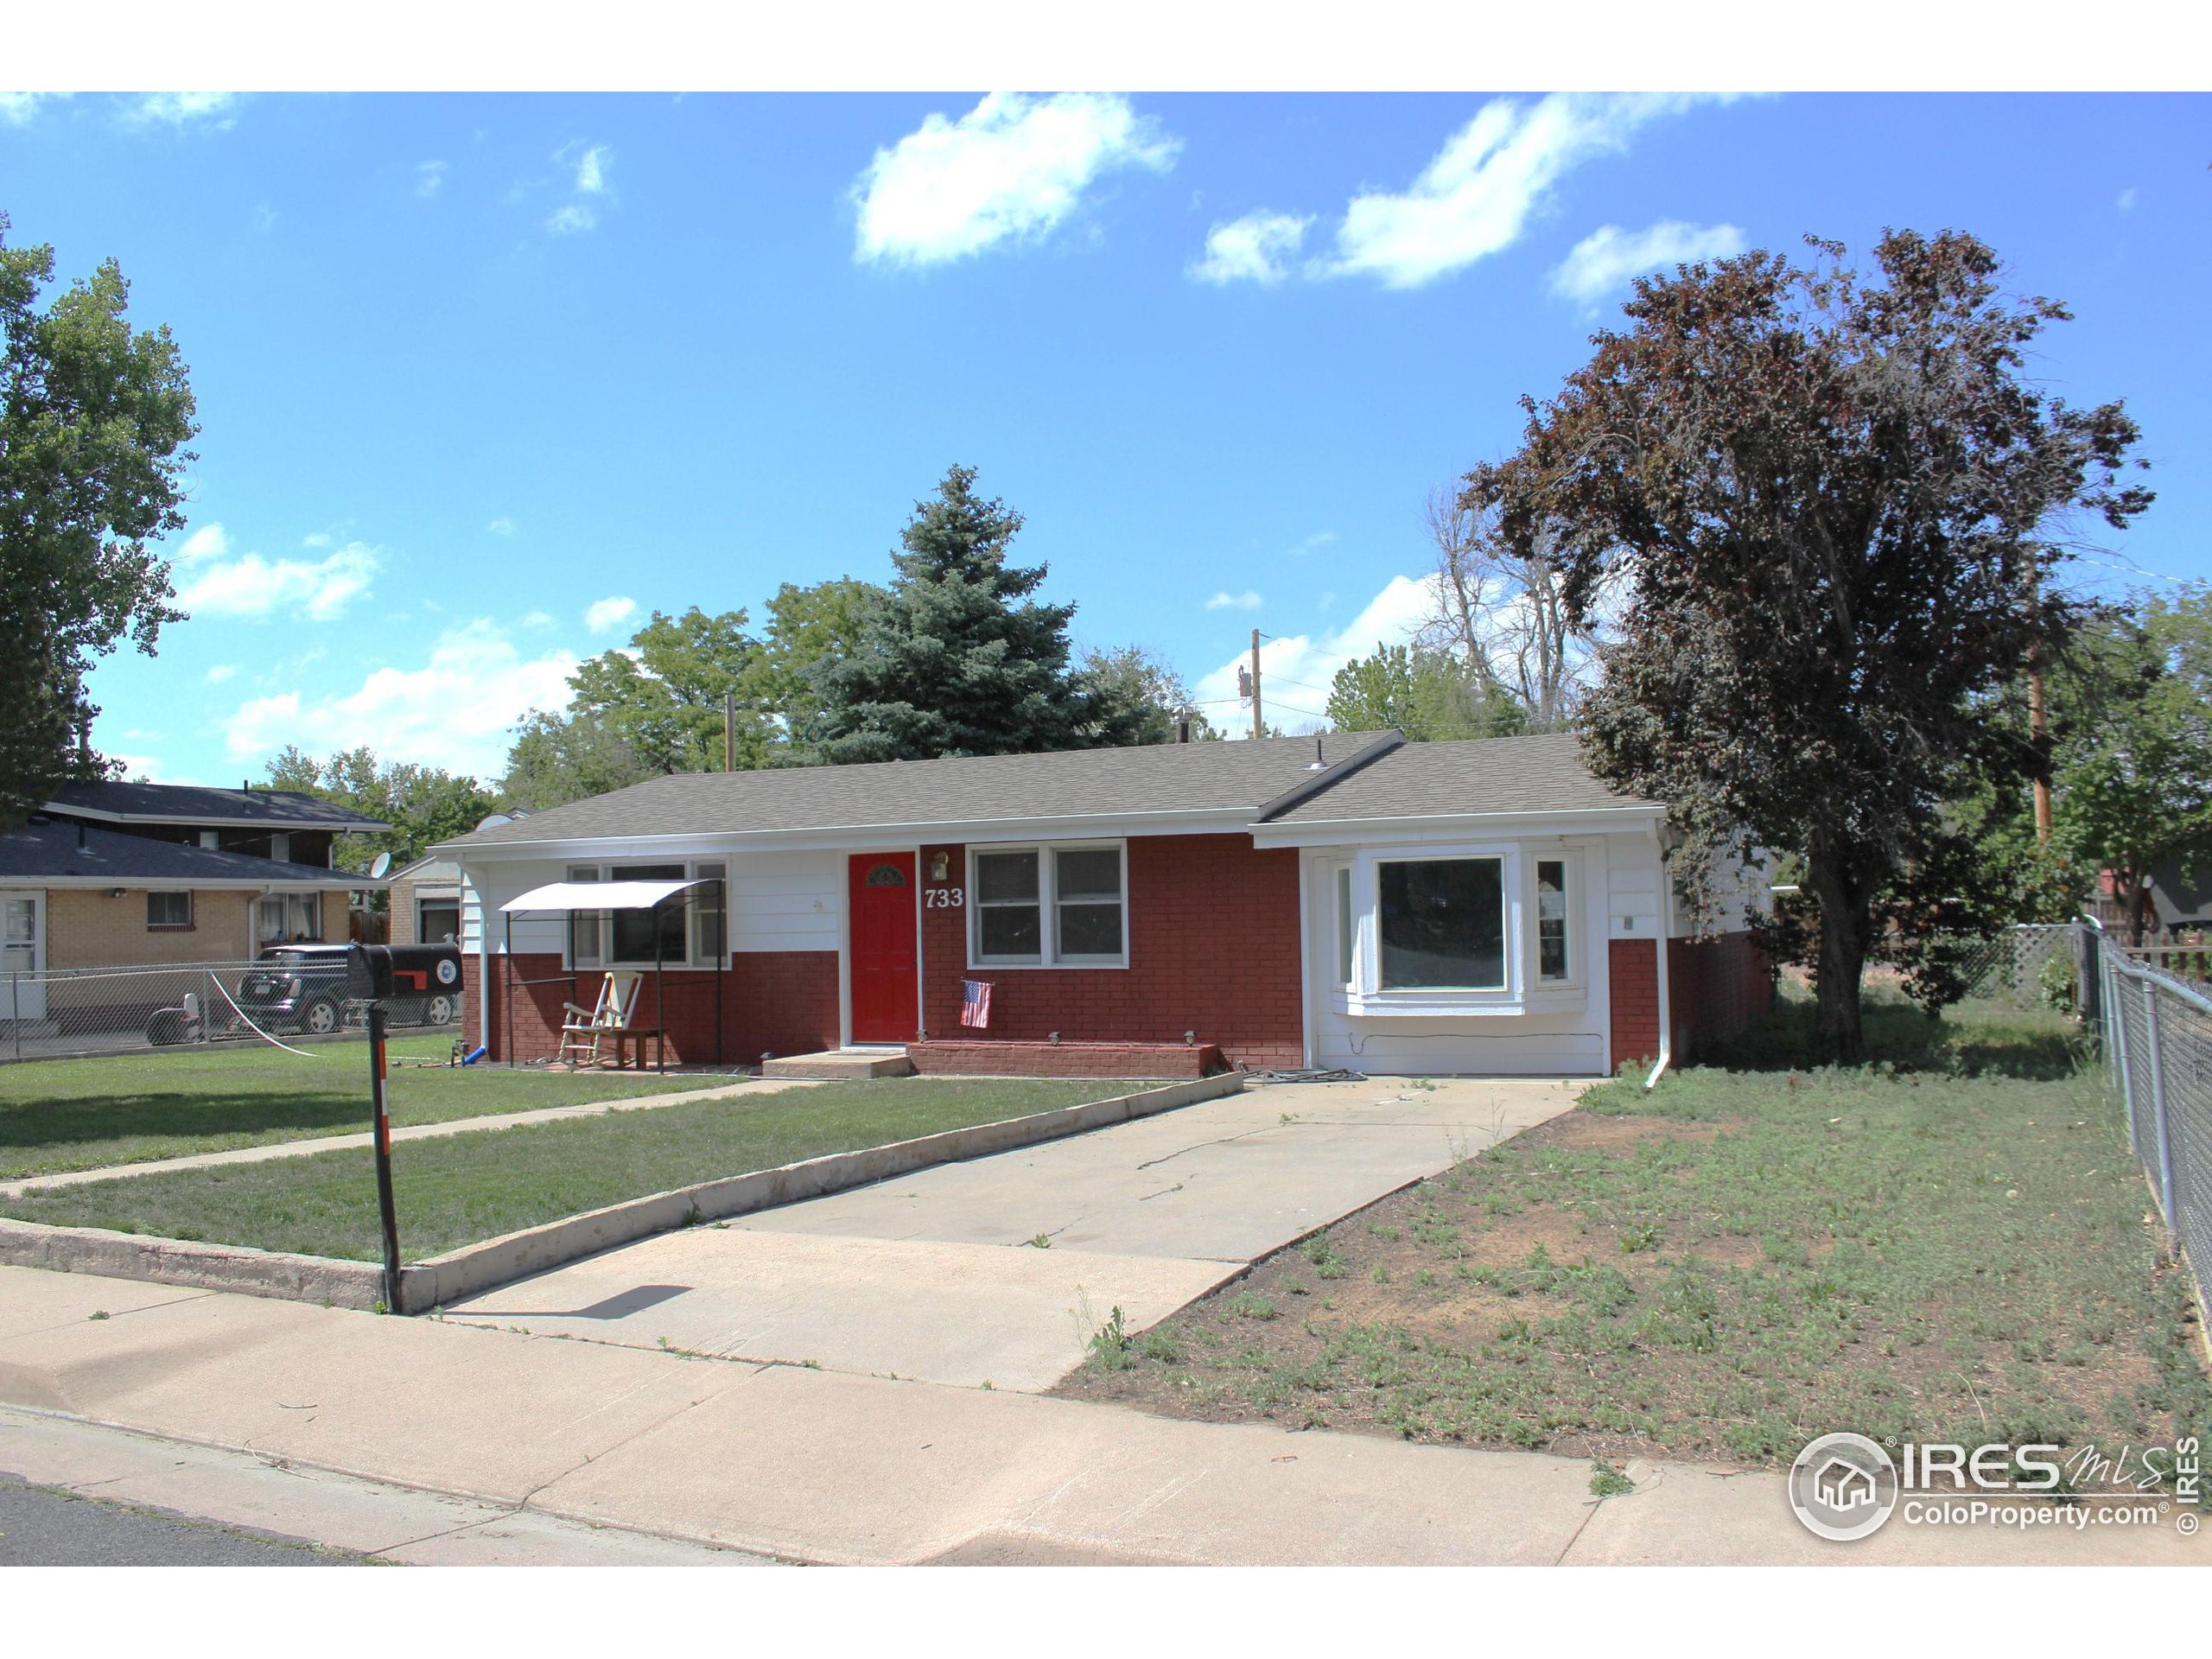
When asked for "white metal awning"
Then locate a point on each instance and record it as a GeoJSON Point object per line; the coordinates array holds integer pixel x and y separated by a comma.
{"type": "Point", "coordinates": [601, 895]}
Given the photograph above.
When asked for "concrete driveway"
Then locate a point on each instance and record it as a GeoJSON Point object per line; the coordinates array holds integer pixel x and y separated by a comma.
{"type": "Point", "coordinates": [996, 1272]}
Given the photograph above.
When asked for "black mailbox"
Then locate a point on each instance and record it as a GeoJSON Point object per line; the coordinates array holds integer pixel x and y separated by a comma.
{"type": "Point", "coordinates": [375, 972]}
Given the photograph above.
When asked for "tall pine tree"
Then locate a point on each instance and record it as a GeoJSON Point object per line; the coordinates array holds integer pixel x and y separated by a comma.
{"type": "Point", "coordinates": [957, 659]}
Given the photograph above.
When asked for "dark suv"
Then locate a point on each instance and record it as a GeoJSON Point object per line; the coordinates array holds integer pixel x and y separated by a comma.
{"type": "Point", "coordinates": [302, 988]}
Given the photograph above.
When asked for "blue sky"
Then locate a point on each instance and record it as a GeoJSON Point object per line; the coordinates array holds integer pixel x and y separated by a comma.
{"type": "Point", "coordinates": [485, 379]}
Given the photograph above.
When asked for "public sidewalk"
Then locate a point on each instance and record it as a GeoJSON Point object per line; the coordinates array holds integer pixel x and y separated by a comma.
{"type": "Point", "coordinates": [307, 1148]}
{"type": "Point", "coordinates": [797, 1464]}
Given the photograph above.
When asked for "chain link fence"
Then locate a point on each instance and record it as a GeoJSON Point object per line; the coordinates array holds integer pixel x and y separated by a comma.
{"type": "Point", "coordinates": [2155, 1029]}
{"type": "Point", "coordinates": [69, 1012]}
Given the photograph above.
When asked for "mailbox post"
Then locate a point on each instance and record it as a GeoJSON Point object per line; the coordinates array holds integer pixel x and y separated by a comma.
{"type": "Point", "coordinates": [374, 972]}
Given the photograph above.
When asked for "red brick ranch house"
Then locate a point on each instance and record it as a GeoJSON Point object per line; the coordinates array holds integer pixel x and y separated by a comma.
{"type": "Point", "coordinates": [1354, 900]}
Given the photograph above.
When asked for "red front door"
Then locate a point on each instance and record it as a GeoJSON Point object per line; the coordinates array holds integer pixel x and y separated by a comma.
{"type": "Point", "coordinates": [885, 920]}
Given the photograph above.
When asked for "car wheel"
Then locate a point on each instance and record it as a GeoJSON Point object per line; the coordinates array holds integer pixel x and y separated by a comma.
{"type": "Point", "coordinates": [321, 1018]}
{"type": "Point", "coordinates": [439, 1012]}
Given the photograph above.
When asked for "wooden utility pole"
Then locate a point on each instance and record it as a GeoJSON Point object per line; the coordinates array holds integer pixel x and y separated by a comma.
{"type": "Point", "coordinates": [1259, 724]}
{"type": "Point", "coordinates": [2038, 724]}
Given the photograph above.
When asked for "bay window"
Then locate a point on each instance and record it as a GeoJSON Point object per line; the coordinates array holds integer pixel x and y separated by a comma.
{"type": "Point", "coordinates": [1061, 906]}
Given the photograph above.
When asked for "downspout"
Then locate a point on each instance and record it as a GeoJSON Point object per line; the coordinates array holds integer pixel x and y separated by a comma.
{"type": "Point", "coordinates": [1666, 933]}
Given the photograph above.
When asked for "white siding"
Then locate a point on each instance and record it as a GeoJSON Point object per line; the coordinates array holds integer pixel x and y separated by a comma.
{"type": "Point", "coordinates": [779, 901]}
{"type": "Point", "coordinates": [1566, 1038]}
{"type": "Point", "coordinates": [1632, 888]}
{"type": "Point", "coordinates": [786, 901]}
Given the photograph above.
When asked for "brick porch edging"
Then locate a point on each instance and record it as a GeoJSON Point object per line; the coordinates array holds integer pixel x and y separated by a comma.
{"type": "Point", "coordinates": [473, 1269]}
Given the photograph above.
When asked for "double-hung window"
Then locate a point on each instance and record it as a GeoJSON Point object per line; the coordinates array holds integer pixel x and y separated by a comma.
{"type": "Point", "coordinates": [1061, 906]}
{"type": "Point", "coordinates": [170, 909]}
{"type": "Point", "coordinates": [685, 928]}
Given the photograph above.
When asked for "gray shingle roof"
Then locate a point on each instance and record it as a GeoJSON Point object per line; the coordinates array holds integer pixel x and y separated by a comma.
{"type": "Point", "coordinates": [1473, 775]}
{"type": "Point", "coordinates": [47, 849]}
{"type": "Point", "coordinates": [280, 809]}
{"type": "Point", "coordinates": [1069, 783]}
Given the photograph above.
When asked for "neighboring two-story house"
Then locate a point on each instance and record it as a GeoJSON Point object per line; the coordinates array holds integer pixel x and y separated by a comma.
{"type": "Point", "coordinates": [110, 874]}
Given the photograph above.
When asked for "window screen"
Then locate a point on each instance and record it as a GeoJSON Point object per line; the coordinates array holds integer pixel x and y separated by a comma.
{"type": "Point", "coordinates": [1009, 926]}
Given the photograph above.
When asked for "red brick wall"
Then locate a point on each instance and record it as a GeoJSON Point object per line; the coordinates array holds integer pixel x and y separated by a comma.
{"type": "Point", "coordinates": [1633, 972]}
{"type": "Point", "coordinates": [1213, 949]}
{"type": "Point", "coordinates": [773, 1001]}
{"type": "Point", "coordinates": [1716, 988]}
{"type": "Point", "coordinates": [1004, 1059]}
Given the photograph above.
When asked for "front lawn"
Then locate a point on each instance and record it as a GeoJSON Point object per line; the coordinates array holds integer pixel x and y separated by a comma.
{"type": "Point", "coordinates": [1946, 1244]}
{"type": "Point", "coordinates": [85, 1114]}
{"type": "Point", "coordinates": [469, 1187]}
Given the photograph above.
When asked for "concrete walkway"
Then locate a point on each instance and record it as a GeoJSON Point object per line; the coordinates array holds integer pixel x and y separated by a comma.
{"type": "Point", "coordinates": [525, 1430]}
{"type": "Point", "coordinates": [997, 1271]}
{"type": "Point", "coordinates": [414, 1132]}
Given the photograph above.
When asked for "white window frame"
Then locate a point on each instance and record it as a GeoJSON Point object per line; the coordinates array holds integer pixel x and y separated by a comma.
{"type": "Point", "coordinates": [1048, 906]}
{"type": "Point", "coordinates": [1342, 940]}
{"type": "Point", "coordinates": [1578, 947]}
{"type": "Point", "coordinates": [1506, 880]}
{"type": "Point", "coordinates": [694, 869]}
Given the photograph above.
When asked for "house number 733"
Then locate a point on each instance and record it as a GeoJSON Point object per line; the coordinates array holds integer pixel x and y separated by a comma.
{"type": "Point", "coordinates": [943, 897]}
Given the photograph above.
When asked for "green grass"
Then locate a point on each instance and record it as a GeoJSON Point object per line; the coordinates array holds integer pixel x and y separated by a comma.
{"type": "Point", "coordinates": [1946, 1243]}
{"type": "Point", "coordinates": [85, 1114]}
{"type": "Point", "coordinates": [468, 1187]}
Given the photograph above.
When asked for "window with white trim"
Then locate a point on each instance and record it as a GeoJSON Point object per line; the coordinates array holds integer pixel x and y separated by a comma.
{"type": "Point", "coordinates": [1347, 926]}
{"type": "Point", "coordinates": [1555, 948]}
{"type": "Point", "coordinates": [1441, 923]}
{"type": "Point", "coordinates": [1063, 906]}
{"type": "Point", "coordinates": [686, 929]}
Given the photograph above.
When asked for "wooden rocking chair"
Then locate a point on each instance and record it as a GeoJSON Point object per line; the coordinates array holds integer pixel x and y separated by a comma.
{"type": "Point", "coordinates": [586, 1029]}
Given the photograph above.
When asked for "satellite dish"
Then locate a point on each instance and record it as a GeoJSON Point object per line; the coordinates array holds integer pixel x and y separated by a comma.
{"type": "Point", "coordinates": [378, 865]}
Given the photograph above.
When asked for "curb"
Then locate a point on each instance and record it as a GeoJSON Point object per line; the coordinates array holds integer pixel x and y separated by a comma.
{"type": "Point", "coordinates": [476, 1267]}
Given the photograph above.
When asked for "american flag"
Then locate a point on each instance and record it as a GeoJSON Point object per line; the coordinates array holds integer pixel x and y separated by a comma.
{"type": "Point", "coordinates": [975, 1003]}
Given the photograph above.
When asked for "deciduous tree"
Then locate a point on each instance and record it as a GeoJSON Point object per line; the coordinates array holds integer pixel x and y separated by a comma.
{"type": "Point", "coordinates": [1832, 504]}
{"type": "Point", "coordinates": [94, 416]}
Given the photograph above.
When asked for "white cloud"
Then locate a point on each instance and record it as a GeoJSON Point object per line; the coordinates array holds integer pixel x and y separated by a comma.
{"type": "Point", "coordinates": [454, 711]}
{"type": "Point", "coordinates": [265, 218]}
{"type": "Point", "coordinates": [2126, 199]}
{"type": "Point", "coordinates": [1246, 601]}
{"type": "Point", "coordinates": [181, 110]}
{"type": "Point", "coordinates": [501, 527]}
{"type": "Point", "coordinates": [1475, 197]}
{"type": "Point", "coordinates": [591, 170]}
{"type": "Point", "coordinates": [1257, 248]}
{"type": "Point", "coordinates": [429, 178]}
{"type": "Point", "coordinates": [318, 590]}
{"type": "Point", "coordinates": [17, 109]}
{"type": "Point", "coordinates": [221, 672]}
{"type": "Point", "coordinates": [591, 162]}
{"type": "Point", "coordinates": [538, 619]}
{"type": "Point", "coordinates": [208, 542]}
{"type": "Point", "coordinates": [1604, 260]}
{"type": "Point", "coordinates": [1295, 672]}
{"type": "Point", "coordinates": [148, 769]}
{"type": "Point", "coordinates": [1011, 169]}
{"type": "Point", "coordinates": [606, 615]}
{"type": "Point", "coordinates": [1318, 539]}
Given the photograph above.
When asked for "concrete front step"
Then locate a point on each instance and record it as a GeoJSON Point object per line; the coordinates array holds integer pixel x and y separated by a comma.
{"type": "Point", "coordinates": [840, 1063]}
